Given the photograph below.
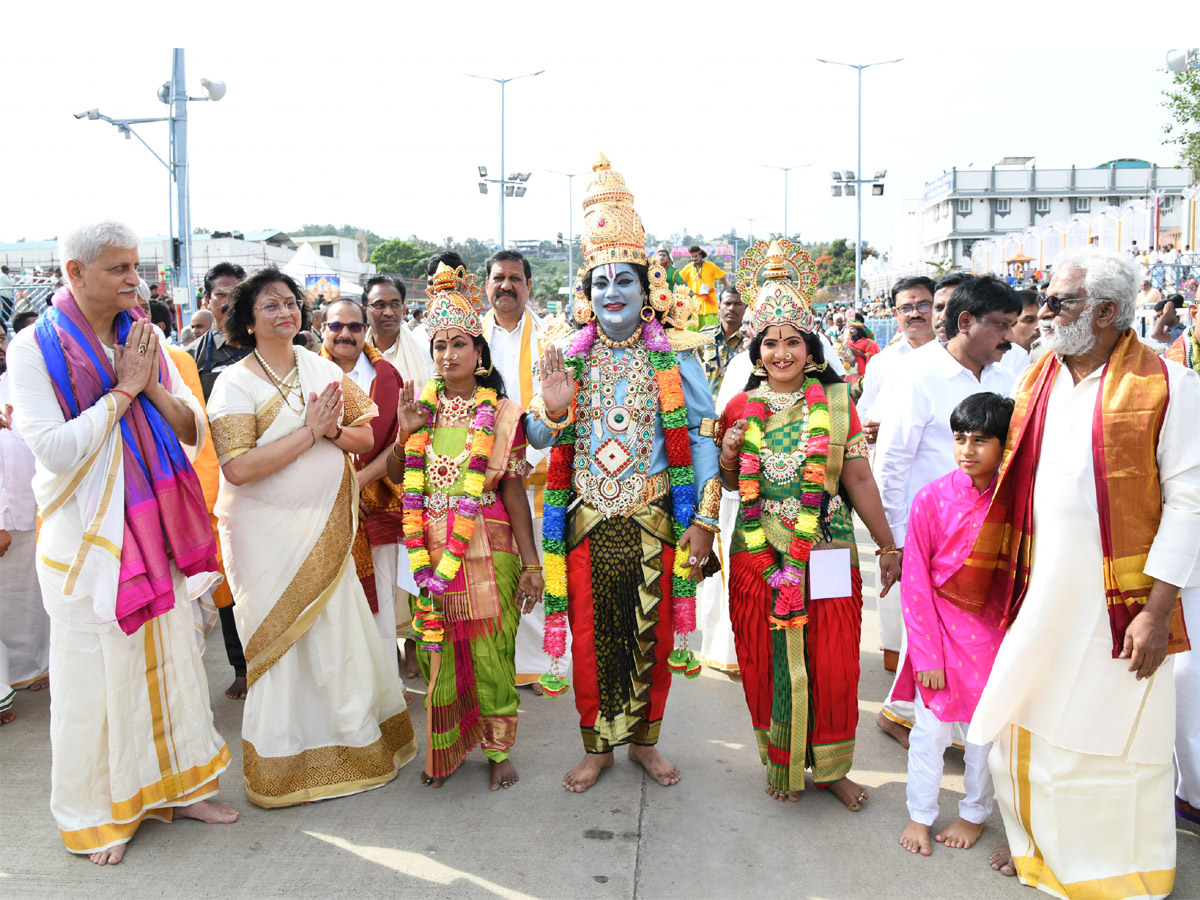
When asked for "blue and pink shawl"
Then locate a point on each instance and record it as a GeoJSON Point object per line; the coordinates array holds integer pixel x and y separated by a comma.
{"type": "Point", "coordinates": [165, 514]}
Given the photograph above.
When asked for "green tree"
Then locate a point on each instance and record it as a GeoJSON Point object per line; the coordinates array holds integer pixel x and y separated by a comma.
{"type": "Point", "coordinates": [400, 258]}
{"type": "Point", "coordinates": [1183, 103]}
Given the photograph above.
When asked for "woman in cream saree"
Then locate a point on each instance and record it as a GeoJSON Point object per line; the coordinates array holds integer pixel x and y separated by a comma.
{"type": "Point", "coordinates": [325, 715]}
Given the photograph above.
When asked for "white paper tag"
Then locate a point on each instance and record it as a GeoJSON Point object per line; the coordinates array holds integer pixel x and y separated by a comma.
{"type": "Point", "coordinates": [829, 573]}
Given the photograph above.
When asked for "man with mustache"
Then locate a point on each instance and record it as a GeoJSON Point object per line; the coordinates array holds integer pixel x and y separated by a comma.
{"type": "Point", "coordinates": [1091, 532]}
{"type": "Point", "coordinates": [380, 521]}
{"type": "Point", "coordinates": [515, 336]}
{"type": "Point", "coordinates": [915, 444]}
{"type": "Point", "coordinates": [1025, 333]}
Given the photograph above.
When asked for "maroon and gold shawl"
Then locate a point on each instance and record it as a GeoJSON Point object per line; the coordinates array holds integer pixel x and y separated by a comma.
{"type": "Point", "coordinates": [1128, 417]}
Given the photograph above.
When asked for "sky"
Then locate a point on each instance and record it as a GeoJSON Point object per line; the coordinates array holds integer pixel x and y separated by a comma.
{"type": "Point", "coordinates": [365, 114]}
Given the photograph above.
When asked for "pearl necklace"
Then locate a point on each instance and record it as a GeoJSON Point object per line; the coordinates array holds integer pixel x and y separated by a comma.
{"type": "Point", "coordinates": [283, 385]}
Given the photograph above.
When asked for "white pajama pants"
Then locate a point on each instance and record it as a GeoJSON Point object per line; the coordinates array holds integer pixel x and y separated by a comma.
{"type": "Point", "coordinates": [1187, 707]}
{"type": "Point", "coordinates": [926, 760]}
{"type": "Point", "coordinates": [385, 560]}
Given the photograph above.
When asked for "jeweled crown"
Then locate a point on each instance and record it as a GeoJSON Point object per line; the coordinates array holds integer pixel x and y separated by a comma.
{"type": "Point", "coordinates": [612, 229]}
{"type": "Point", "coordinates": [789, 279]}
{"type": "Point", "coordinates": [455, 302]}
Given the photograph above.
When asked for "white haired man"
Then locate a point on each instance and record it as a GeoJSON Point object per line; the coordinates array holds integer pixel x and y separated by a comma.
{"type": "Point", "coordinates": [107, 417]}
{"type": "Point", "coordinates": [1092, 531]}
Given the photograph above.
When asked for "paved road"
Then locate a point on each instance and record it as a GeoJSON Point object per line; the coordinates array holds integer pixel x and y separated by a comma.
{"type": "Point", "coordinates": [715, 834]}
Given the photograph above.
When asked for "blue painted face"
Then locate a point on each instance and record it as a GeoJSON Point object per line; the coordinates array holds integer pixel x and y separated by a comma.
{"type": "Point", "coordinates": [617, 299]}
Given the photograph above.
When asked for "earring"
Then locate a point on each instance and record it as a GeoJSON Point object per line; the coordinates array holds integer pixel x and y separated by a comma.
{"type": "Point", "coordinates": [249, 331]}
{"type": "Point", "coordinates": [647, 313]}
{"type": "Point", "coordinates": [481, 371]}
{"type": "Point", "coordinates": [811, 366]}
{"type": "Point", "coordinates": [760, 371]}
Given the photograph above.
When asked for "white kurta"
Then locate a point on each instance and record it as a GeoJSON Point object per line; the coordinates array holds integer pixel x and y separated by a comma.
{"type": "Point", "coordinates": [1082, 763]}
{"type": "Point", "coordinates": [879, 376]}
{"type": "Point", "coordinates": [522, 386]}
{"type": "Point", "coordinates": [24, 625]}
{"type": "Point", "coordinates": [131, 728]}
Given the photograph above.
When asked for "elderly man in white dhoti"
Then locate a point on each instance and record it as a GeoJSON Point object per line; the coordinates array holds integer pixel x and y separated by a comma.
{"type": "Point", "coordinates": [1092, 531]}
{"type": "Point", "coordinates": [104, 411]}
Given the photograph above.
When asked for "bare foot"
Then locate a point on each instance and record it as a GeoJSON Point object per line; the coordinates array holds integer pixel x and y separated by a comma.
{"type": "Point", "coordinates": [852, 795]}
{"type": "Point", "coordinates": [237, 690]}
{"type": "Point", "coordinates": [537, 688]}
{"type": "Point", "coordinates": [960, 834]}
{"type": "Point", "coordinates": [109, 857]}
{"type": "Point", "coordinates": [782, 796]}
{"type": "Point", "coordinates": [503, 774]}
{"type": "Point", "coordinates": [7, 716]}
{"type": "Point", "coordinates": [1002, 861]}
{"type": "Point", "coordinates": [584, 775]}
{"type": "Point", "coordinates": [915, 838]}
{"type": "Point", "coordinates": [40, 684]}
{"type": "Point", "coordinates": [659, 767]}
{"type": "Point", "coordinates": [895, 729]}
{"type": "Point", "coordinates": [411, 669]}
{"type": "Point", "coordinates": [214, 812]}
{"type": "Point", "coordinates": [429, 781]}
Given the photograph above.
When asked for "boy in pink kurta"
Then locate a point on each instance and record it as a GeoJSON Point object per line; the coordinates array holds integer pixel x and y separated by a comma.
{"type": "Point", "coordinates": [950, 651]}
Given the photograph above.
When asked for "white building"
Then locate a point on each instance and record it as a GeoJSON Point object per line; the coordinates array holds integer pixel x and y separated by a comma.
{"type": "Point", "coordinates": [1015, 207]}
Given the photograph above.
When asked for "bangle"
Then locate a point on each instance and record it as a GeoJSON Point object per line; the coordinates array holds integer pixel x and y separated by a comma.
{"type": "Point", "coordinates": [314, 434]}
{"type": "Point", "coordinates": [117, 390]}
{"type": "Point", "coordinates": [398, 456]}
{"type": "Point", "coordinates": [525, 569]}
{"type": "Point", "coordinates": [735, 467]}
{"type": "Point", "coordinates": [711, 529]}
{"type": "Point", "coordinates": [537, 409]}
{"type": "Point", "coordinates": [337, 434]}
{"type": "Point", "coordinates": [890, 548]}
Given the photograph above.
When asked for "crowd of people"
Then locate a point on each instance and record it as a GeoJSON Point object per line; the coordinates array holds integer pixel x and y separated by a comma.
{"type": "Point", "coordinates": [668, 479]}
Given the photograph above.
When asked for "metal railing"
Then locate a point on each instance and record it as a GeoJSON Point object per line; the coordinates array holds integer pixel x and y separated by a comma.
{"type": "Point", "coordinates": [29, 293]}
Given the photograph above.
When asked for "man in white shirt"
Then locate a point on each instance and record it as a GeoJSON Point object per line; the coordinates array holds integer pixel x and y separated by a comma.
{"type": "Point", "coordinates": [1018, 358]}
{"type": "Point", "coordinates": [915, 444]}
{"type": "Point", "coordinates": [383, 297]}
{"type": "Point", "coordinates": [24, 625]}
{"type": "Point", "coordinates": [516, 338]}
{"type": "Point", "coordinates": [1093, 529]}
{"type": "Point", "coordinates": [913, 302]}
{"type": "Point", "coordinates": [379, 541]}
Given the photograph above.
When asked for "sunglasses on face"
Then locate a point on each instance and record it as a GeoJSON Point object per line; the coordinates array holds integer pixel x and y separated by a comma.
{"type": "Point", "coordinates": [1056, 303]}
{"type": "Point", "coordinates": [352, 327]}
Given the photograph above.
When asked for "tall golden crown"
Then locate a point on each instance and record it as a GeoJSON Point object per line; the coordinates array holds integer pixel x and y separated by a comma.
{"type": "Point", "coordinates": [789, 281]}
{"type": "Point", "coordinates": [612, 229]}
{"type": "Point", "coordinates": [455, 302]}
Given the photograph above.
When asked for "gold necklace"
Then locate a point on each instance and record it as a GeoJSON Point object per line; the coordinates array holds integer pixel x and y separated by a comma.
{"type": "Point", "coordinates": [619, 345]}
{"type": "Point", "coordinates": [776, 401]}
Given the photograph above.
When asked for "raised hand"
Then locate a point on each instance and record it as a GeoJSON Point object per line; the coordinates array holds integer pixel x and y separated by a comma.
{"type": "Point", "coordinates": [410, 413]}
{"type": "Point", "coordinates": [558, 388]}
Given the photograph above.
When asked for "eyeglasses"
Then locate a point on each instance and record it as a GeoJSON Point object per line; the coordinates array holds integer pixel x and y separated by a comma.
{"type": "Point", "coordinates": [393, 305]}
{"type": "Point", "coordinates": [352, 327]}
{"type": "Point", "coordinates": [271, 310]}
{"type": "Point", "coordinates": [925, 306]}
{"type": "Point", "coordinates": [1056, 303]}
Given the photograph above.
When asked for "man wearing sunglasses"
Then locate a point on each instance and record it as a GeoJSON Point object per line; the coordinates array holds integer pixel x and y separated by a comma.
{"type": "Point", "coordinates": [380, 515]}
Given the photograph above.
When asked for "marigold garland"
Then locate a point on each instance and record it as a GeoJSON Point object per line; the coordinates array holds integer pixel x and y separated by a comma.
{"type": "Point", "coordinates": [429, 621]}
{"type": "Point", "coordinates": [787, 576]}
{"type": "Point", "coordinates": [673, 407]}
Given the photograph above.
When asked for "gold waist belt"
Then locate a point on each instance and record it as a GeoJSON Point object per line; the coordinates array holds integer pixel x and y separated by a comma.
{"type": "Point", "coordinates": [438, 504]}
{"type": "Point", "coordinates": [788, 509]}
{"type": "Point", "coordinates": [611, 497]}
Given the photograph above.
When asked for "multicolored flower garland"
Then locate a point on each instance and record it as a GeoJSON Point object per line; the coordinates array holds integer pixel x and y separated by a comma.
{"type": "Point", "coordinates": [429, 621]}
{"type": "Point", "coordinates": [673, 406]}
{"type": "Point", "coordinates": [788, 577]}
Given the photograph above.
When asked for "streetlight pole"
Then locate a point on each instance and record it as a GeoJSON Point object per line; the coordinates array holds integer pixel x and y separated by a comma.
{"type": "Point", "coordinates": [570, 176]}
{"type": "Point", "coordinates": [503, 178]}
{"type": "Point", "coordinates": [785, 170]}
{"type": "Point", "coordinates": [174, 94]}
{"type": "Point", "coordinates": [858, 194]}
{"type": "Point", "coordinates": [750, 219]}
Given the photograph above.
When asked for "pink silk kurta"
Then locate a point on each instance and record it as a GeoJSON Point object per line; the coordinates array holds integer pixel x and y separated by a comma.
{"type": "Point", "coordinates": [945, 519]}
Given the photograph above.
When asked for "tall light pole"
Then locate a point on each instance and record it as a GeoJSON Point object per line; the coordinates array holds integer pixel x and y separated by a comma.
{"type": "Point", "coordinates": [502, 82]}
{"type": "Point", "coordinates": [785, 170]}
{"type": "Point", "coordinates": [750, 219]}
{"type": "Point", "coordinates": [570, 176]}
{"type": "Point", "coordinates": [174, 94]}
{"type": "Point", "coordinates": [858, 194]}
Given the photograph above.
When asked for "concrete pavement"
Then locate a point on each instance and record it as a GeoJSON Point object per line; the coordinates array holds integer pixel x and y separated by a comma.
{"type": "Point", "coordinates": [715, 834]}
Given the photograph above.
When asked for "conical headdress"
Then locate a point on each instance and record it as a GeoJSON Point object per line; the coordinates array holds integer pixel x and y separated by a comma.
{"type": "Point", "coordinates": [612, 229]}
{"type": "Point", "coordinates": [789, 279]}
{"type": "Point", "coordinates": [455, 302]}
